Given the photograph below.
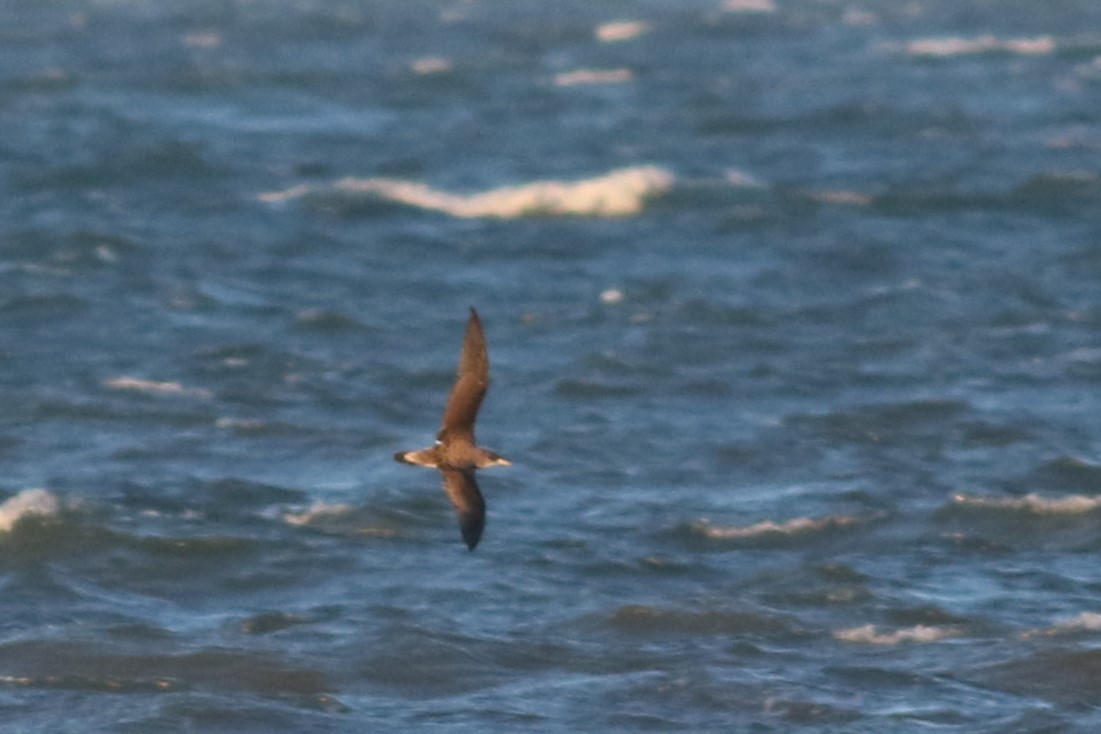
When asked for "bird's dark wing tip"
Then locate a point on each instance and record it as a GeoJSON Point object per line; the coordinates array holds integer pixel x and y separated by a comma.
{"type": "Point", "coordinates": [471, 524]}
{"type": "Point", "coordinates": [475, 318]}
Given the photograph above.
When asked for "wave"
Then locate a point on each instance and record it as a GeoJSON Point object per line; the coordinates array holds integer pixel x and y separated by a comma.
{"type": "Point", "coordinates": [1066, 677]}
{"type": "Point", "coordinates": [254, 427]}
{"type": "Point", "coordinates": [318, 511]}
{"type": "Point", "coordinates": [30, 502]}
{"type": "Point", "coordinates": [1070, 505]}
{"type": "Point", "coordinates": [83, 666]}
{"type": "Point", "coordinates": [1084, 622]}
{"type": "Point", "coordinates": [749, 6]}
{"type": "Point", "coordinates": [339, 518]}
{"type": "Point", "coordinates": [644, 619]}
{"type": "Point", "coordinates": [769, 528]}
{"type": "Point", "coordinates": [619, 193]}
{"type": "Point", "coordinates": [841, 197]}
{"type": "Point", "coordinates": [871, 635]}
{"type": "Point", "coordinates": [154, 387]}
{"type": "Point", "coordinates": [432, 65]}
{"type": "Point", "coordinates": [951, 46]}
{"type": "Point", "coordinates": [620, 30]}
{"type": "Point", "coordinates": [592, 76]}
{"type": "Point", "coordinates": [1064, 474]}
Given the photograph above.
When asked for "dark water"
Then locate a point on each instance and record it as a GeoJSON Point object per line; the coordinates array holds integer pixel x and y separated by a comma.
{"type": "Point", "coordinates": [794, 310]}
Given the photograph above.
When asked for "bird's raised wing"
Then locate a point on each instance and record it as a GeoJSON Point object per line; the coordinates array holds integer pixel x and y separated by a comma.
{"type": "Point", "coordinates": [471, 385]}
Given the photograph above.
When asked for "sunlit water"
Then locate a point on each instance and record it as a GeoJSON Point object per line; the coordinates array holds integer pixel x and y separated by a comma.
{"type": "Point", "coordinates": [793, 308]}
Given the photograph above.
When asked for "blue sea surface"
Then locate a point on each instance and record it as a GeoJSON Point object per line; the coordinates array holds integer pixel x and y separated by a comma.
{"type": "Point", "coordinates": [794, 315]}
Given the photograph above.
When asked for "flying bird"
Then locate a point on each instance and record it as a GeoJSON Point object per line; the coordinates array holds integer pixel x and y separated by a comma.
{"type": "Point", "coordinates": [456, 454]}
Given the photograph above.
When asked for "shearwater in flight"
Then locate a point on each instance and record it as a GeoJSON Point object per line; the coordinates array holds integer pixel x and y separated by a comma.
{"type": "Point", "coordinates": [456, 454]}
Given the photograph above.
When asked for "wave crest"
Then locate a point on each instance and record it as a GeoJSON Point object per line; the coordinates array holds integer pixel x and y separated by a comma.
{"type": "Point", "coordinates": [1082, 622]}
{"type": "Point", "coordinates": [30, 502]}
{"type": "Point", "coordinates": [1070, 505]}
{"type": "Point", "coordinates": [871, 635]}
{"type": "Point", "coordinates": [154, 387]}
{"type": "Point", "coordinates": [769, 528]}
{"type": "Point", "coordinates": [948, 47]}
{"type": "Point", "coordinates": [619, 193]}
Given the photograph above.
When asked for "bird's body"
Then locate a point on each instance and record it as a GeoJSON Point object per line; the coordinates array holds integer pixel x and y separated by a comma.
{"type": "Point", "coordinates": [456, 455]}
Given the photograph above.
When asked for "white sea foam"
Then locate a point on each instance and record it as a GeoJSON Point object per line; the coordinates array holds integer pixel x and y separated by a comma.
{"type": "Point", "coordinates": [582, 77]}
{"type": "Point", "coordinates": [749, 6]}
{"type": "Point", "coordinates": [619, 193]}
{"type": "Point", "coordinates": [340, 518]}
{"type": "Point", "coordinates": [317, 511]}
{"type": "Point", "coordinates": [154, 387]}
{"type": "Point", "coordinates": [841, 197]}
{"type": "Point", "coordinates": [734, 177]}
{"type": "Point", "coordinates": [431, 65]}
{"type": "Point", "coordinates": [202, 39]}
{"type": "Point", "coordinates": [621, 30]}
{"type": "Point", "coordinates": [768, 527]}
{"type": "Point", "coordinates": [29, 502]}
{"type": "Point", "coordinates": [1084, 622]}
{"type": "Point", "coordinates": [1075, 504]}
{"type": "Point", "coordinates": [611, 296]}
{"type": "Point", "coordinates": [958, 46]}
{"type": "Point", "coordinates": [869, 634]}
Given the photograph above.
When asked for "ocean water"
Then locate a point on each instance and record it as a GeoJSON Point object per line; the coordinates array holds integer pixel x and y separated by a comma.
{"type": "Point", "coordinates": [794, 312]}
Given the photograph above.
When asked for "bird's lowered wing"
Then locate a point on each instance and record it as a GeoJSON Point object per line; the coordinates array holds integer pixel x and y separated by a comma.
{"type": "Point", "coordinates": [463, 492]}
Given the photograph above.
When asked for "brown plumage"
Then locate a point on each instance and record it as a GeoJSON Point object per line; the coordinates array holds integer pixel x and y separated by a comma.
{"type": "Point", "coordinates": [456, 454]}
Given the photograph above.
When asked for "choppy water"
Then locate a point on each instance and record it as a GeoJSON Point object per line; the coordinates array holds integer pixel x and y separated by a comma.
{"type": "Point", "coordinates": [794, 310]}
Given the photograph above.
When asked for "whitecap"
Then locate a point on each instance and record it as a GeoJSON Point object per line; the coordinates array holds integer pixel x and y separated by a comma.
{"type": "Point", "coordinates": [871, 635]}
{"type": "Point", "coordinates": [1070, 505]}
{"type": "Point", "coordinates": [582, 77]}
{"type": "Point", "coordinates": [1083, 622]}
{"type": "Point", "coordinates": [154, 387]}
{"type": "Point", "coordinates": [768, 527]}
{"type": "Point", "coordinates": [621, 30]}
{"type": "Point", "coordinates": [734, 177]}
{"type": "Point", "coordinates": [619, 193]}
{"type": "Point", "coordinates": [750, 6]}
{"type": "Point", "coordinates": [317, 511]}
{"type": "Point", "coordinates": [339, 518]}
{"type": "Point", "coordinates": [431, 65]}
{"type": "Point", "coordinates": [38, 501]}
{"type": "Point", "coordinates": [841, 197]}
{"type": "Point", "coordinates": [958, 46]}
{"type": "Point", "coordinates": [611, 296]}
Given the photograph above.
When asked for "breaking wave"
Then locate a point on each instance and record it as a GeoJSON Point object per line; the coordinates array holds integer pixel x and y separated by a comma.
{"type": "Point", "coordinates": [339, 518]}
{"type": "Point", "coordinates": [948, 47]}
{"type": "Point", "coordinates": [154, 387]}
{"type": "Point", "coordinates": [769, 528]}
{"type": "Point", "coordinates": [1071, 505]}
{"type": "Point", "coordinates": [30, 502]}
{"type": "Point", "coordinates": [582, 77]}
{"type": "Point", "coordinates": [871, 635]}
{"type": "Point", "coordinates": [1084, 622]}
{"type": "Point", "coordinates": [619, 193]}
{"type": "Point", "coordinates": [749, 6]}
{"type": "Point", "coordinates": [621, 30]}
{"type": "Point", "coordinates": [318, 511]}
